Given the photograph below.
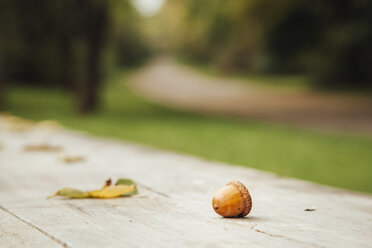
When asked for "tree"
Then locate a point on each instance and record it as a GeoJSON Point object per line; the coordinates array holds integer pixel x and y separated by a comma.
{"type": "Point", "coordinates": [1, 74]}
{"type": "Point", "coordinates": [3, 17]}
{"type": "Point", "coordinates": [92, 26]}
{"type": "Point", "coordinates": [328, 40]}
{"type": "Point", "coordinates": [56, 41]}
{"type": "Point", "coordinates": [60, 43]}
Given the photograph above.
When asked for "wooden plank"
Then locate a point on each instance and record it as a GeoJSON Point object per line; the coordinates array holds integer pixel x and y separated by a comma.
{"type": "Point", "coordinates": [16, 233]}
{"type": "Point", "coordinates": [173, 208]}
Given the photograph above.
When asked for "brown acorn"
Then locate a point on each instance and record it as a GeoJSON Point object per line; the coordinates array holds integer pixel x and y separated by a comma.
{"type": "Point", "coordinates": [232, 200]}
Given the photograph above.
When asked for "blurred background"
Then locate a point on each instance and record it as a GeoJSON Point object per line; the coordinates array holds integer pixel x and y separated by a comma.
{"type": "Point", "coordinates": [278, 85]}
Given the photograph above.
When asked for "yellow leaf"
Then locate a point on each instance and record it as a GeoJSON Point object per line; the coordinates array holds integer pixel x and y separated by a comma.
{"type": "Point", "coordinates": [112, 191]}
{"type": "Point", "coordinates": [123, 187]}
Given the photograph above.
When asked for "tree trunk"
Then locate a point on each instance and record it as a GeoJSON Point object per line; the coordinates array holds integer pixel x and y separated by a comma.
{"type": "Point", "coordinates": [2, 78]}
{"type": "Point", "coordinates": [93, 36]}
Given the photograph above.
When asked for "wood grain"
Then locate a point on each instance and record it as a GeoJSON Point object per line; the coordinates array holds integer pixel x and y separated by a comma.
{"type": "Point", "coordinates": [14, 232]}
{"type": "Point", "coordinates": [173, 208]}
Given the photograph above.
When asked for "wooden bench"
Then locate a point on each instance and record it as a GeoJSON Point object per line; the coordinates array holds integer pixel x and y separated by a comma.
{"type": "Point", "coordinates": [173, 207]}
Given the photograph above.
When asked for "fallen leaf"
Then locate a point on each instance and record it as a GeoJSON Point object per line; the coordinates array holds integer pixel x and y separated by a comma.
{"type": "Point", "coordinates": [69, 158]}
{"type": "Point", "coordinates": [72, 193]}
{"type": "Point", "coordinates": [123, 187]}
{"type": "Point", "coordinates": [113, 191]}
{"type": "Point", "coordinates": [125, 181]}
{"type": "Point", "coordinates": [17, 124]}
{"type": "Point", "coordinates": [72, 159]}
{"type": "Point", "coordinates": [42, 148]}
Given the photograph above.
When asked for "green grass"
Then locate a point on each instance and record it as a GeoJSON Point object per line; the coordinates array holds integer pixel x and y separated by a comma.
{"type": "Point", "coordinates": [333, 159]}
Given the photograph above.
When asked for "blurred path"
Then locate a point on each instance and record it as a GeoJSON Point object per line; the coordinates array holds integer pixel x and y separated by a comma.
{"type": "Point", "coordinates": [166, 82]}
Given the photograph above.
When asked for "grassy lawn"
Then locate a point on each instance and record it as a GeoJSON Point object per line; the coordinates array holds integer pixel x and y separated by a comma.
{"type": "Point", "coordinates": [333, 159]}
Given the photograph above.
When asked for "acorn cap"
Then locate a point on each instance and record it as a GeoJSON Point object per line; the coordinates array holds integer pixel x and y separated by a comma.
{"type": "Point", "coordinates": [247, 200]}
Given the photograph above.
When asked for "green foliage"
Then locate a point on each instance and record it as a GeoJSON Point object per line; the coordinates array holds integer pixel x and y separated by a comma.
{"type": "Point", "coordinates": [29, 50]}
{"type": "Point", "coordinates": [46, 40]}
{"type": "Point", "coordinates": [327, 40]}
{"type": "Point", "coordinates": [127, 42]}
{"type": "Point", "coordinates": [334, 159]}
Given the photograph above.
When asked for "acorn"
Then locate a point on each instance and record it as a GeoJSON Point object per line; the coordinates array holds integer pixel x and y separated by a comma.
{"type": "Point", "coordinates": [232, 200]}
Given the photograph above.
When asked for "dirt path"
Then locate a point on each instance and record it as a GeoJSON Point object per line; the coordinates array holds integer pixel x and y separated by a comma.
{"type": "Point", "coordinates": [166, 82]}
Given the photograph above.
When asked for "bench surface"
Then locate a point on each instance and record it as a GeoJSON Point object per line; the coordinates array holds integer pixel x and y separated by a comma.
{"type": "Point", "coordinates": [173, 207]}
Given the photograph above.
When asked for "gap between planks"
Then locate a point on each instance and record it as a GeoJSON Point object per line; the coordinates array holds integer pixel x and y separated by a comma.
{"type": "Point", "coordinates": [60, 242]}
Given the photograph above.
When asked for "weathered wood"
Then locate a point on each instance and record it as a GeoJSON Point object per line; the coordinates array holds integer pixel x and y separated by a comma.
{"type": "Point", "coordinates": [14, 232]}
{"type": "Point", "coordinates": [173, 208]}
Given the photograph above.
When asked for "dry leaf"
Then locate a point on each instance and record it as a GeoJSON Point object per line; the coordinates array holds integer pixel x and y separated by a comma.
{"type": "Point", "coordinates": [123, 187]}
{"type": "Point", "coordinates": [72, 193]}
{"type": "Point", "coordinates": [113, 191]}
{"type": "Point", "coordinates": [69, 158]}
{"type": "Point", "coordinates": [72, 159]}
{"type": "Point", "coordinates": [17, 124]}
{"type": "Point", "coordinates": [42, 148]}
